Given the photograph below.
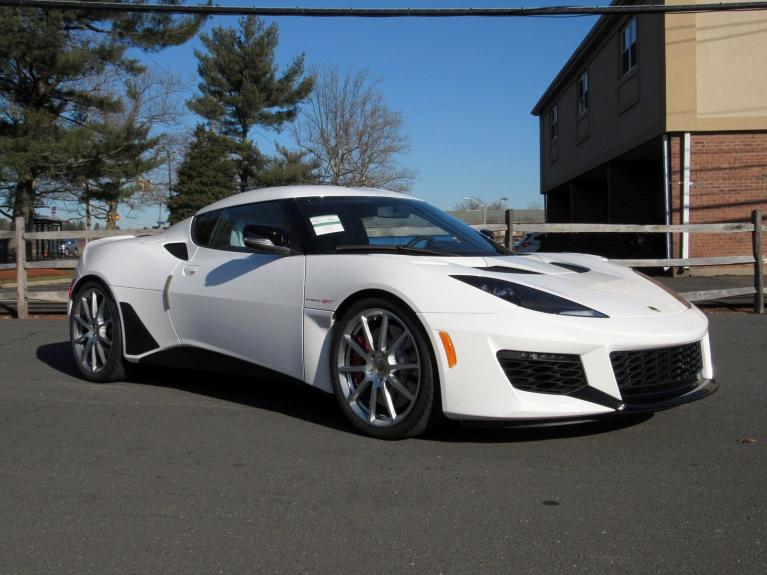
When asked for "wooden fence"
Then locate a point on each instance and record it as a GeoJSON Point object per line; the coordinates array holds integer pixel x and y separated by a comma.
{"type": "Point", "coordinates": [22, 265]}
{"type": "Point", "coordinates": [755, 228]}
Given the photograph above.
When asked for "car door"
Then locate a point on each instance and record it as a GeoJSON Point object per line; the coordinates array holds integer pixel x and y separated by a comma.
{"type": "Point", "coordinates": [239, 301]}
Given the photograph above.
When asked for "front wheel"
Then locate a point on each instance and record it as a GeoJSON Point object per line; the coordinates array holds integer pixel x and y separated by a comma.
{"type": "Point", "coordinates": [383, 370]}
{"type": "Point", "coordinates": [95, 334]}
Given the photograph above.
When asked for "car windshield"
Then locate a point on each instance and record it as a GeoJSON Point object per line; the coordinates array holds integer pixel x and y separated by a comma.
{"type": "Point", "coordinates": [372, 224]}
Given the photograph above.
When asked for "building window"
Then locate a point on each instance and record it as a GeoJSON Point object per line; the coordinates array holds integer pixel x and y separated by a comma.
{"type": "Point", "coordinates": [583, 93]}
{"type": "Point", "coordinates": [629, 46]}
{"type": "Point", "coordinates": [554, 123]}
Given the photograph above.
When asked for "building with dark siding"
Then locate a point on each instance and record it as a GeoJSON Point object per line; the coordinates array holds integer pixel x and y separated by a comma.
{"type": "Point", "coordinates": [660, 119]}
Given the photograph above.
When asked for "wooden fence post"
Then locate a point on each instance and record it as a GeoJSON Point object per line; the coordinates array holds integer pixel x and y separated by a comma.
{"type": "Point", "coordinates": [756, 217]}
{"type": "Point", "coordinates": [22, 311]}
{"type": "Point", "coordinates": [509, 237]}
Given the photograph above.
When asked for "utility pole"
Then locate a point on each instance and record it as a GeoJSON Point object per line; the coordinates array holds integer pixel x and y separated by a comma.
{"type": "Point", "coordinates": [160, 221]}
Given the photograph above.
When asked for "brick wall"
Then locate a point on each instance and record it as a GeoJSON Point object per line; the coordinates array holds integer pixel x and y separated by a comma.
{"type": "Point", "coordinates": [729, 180]}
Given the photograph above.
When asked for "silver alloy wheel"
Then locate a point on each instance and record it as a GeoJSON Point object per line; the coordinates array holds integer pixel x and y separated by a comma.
{"type": "Point", "coordinates": [92, 330]}
{"type": "Point", "coordinates": [379, 367]}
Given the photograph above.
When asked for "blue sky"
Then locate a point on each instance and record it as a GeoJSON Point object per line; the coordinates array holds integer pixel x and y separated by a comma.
{"type": "Point", "coordinates": [465, 86]}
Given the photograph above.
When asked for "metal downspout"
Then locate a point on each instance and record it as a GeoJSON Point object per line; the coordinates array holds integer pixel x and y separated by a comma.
{"type": "Point", "coordinates": [686, 183]}
{"type": "Point", "coordinates": [667, 191]}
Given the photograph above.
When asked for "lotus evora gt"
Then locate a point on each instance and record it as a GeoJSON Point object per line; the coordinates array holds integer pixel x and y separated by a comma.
{"type": "Point", "coordinates": [401, 311]}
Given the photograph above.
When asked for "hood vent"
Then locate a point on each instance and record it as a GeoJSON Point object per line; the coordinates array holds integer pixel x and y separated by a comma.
{"type": "Point", "coordinates": [572, 267]}
{"type": "Point", "coordinates": [507, 270]}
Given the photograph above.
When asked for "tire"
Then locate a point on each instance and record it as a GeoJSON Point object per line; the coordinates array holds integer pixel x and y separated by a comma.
{"type": "Point", "coordinates": [386, 386]}
{"type": "Point", "coordinates": [96, 334]}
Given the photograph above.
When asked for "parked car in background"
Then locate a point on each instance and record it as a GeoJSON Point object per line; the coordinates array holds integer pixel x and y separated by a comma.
{"type": "Point", "coordinates": [529, 243]}
{"type": "Point", "coordinates": [69, 248]}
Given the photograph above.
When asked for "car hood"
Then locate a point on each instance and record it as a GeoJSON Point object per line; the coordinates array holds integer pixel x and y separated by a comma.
{"type": "Point", "coordinates": [592, 281]}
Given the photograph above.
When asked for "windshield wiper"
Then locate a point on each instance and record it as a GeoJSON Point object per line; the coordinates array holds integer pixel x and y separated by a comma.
{"type": "Point", "coordinates": [391, 249]}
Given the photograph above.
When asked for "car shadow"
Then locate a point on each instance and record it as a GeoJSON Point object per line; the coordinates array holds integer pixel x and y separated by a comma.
{"type": "Point", "coordinates": [237, 267]}
{"type": "Point", "coordinates": [278, 394]}
{"type": "Point", "coordinates": [58, 356]}
{"type": "Point", "coordinates": [293, 398]}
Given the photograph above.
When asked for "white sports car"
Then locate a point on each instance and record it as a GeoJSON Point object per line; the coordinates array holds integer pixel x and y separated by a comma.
{"type": "Point", "coordinates": [401, 311]}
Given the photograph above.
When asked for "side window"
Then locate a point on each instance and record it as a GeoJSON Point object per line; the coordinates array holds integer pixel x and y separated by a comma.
{"type": "Point", "coordinates": [203, 226]}
{"type": "Point", "coordinates": [629, 46]}
{"type": "Point", "coordinates": [554, 122]}
{"type": "Point", "coordinates": [228, 231]}
{"type": "Point", "coordinates": [334, 222]}
{"type": "Point", "coordinates": [554, 133]}
{"type": "Point", "coordinates": [583, 93]}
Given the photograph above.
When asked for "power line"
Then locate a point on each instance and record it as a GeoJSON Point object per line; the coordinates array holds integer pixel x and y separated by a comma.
{"type": "Point", "coordinates": [208, 10]}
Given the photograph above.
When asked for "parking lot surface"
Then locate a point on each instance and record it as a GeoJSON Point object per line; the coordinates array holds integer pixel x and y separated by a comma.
{"type": "Point", "coordinates": [176, 472]}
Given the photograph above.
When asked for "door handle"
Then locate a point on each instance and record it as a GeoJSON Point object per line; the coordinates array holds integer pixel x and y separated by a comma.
{"type": "Point", "coordinates": [190, 270]}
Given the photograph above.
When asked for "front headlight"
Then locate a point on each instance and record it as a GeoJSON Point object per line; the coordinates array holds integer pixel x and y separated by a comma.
{"type": "Point", "coordinates": [529, 298]}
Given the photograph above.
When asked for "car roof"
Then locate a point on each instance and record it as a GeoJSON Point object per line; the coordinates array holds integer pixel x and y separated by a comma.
{"type": "Point", "coordinates": [284, 192]}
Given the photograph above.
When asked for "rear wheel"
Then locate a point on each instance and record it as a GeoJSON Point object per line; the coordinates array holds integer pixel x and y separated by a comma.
{"type": "Point", "coordinates": [96, 335]}
{"type": "Point", "coordinates": [383, 370]}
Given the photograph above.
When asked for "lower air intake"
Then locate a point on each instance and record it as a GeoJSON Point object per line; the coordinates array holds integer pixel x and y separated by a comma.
{"type": "Point", "coordinates": [657, 374]}
{"type": "Point", "coordinates": [553, 373]}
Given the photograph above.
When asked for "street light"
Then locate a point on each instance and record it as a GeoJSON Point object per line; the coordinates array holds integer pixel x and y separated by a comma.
{"type": "Point", "coordinates": [484, 206]}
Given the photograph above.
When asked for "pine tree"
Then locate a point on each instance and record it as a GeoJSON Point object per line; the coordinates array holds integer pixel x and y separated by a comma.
{"type": "Point", "coordinates": [287, 168]}
{"type": "Point", "coordinates": [121, 151]}
{"type": "Point", "coordinates": [205, 175]}
{"type": "Point", "coordinates": [46, 60]}
{"type": "Point", "coordinates": [124, 154]}
{"type": "Point", "coordinates": [241, 88]}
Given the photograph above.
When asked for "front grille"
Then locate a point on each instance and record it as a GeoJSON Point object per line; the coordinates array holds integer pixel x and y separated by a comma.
{"type": "Point", "coordinates": [657, 374]}
{"type": "Point", "coordinates": [558, 374]}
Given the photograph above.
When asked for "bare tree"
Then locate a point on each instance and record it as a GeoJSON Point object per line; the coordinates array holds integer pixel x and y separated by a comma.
{"type": "Point", "coordinates": [352, 135]}
{"type": "Point", "coordinates": [475, 203]}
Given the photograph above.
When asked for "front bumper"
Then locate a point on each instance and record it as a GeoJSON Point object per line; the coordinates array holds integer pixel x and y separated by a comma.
{"type": "Point", "coordinates": [477, 388]}
{"type": "Point", "coordinates": [705, 388]}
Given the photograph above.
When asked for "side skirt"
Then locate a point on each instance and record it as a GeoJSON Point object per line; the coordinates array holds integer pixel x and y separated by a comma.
{"type": "Point", "coordinates": [199, 359]}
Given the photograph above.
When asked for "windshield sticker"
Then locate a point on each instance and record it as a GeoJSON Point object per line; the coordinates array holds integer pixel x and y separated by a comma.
{"type": "Point", "coordinates": [330, 224]}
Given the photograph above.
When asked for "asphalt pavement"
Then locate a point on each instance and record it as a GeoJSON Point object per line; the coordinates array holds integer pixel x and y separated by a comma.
{"type": "Point", "coordinates": [192, 473]}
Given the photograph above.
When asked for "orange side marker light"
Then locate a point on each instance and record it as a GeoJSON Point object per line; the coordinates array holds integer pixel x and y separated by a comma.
{"type": "Point", "coordinates": [447, 343]}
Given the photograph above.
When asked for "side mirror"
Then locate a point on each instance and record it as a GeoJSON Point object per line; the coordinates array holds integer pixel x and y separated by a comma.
{"type": "Point", "coordinates": [488, 234]}
{"type": "Point", "coordinates": [268, 239]}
